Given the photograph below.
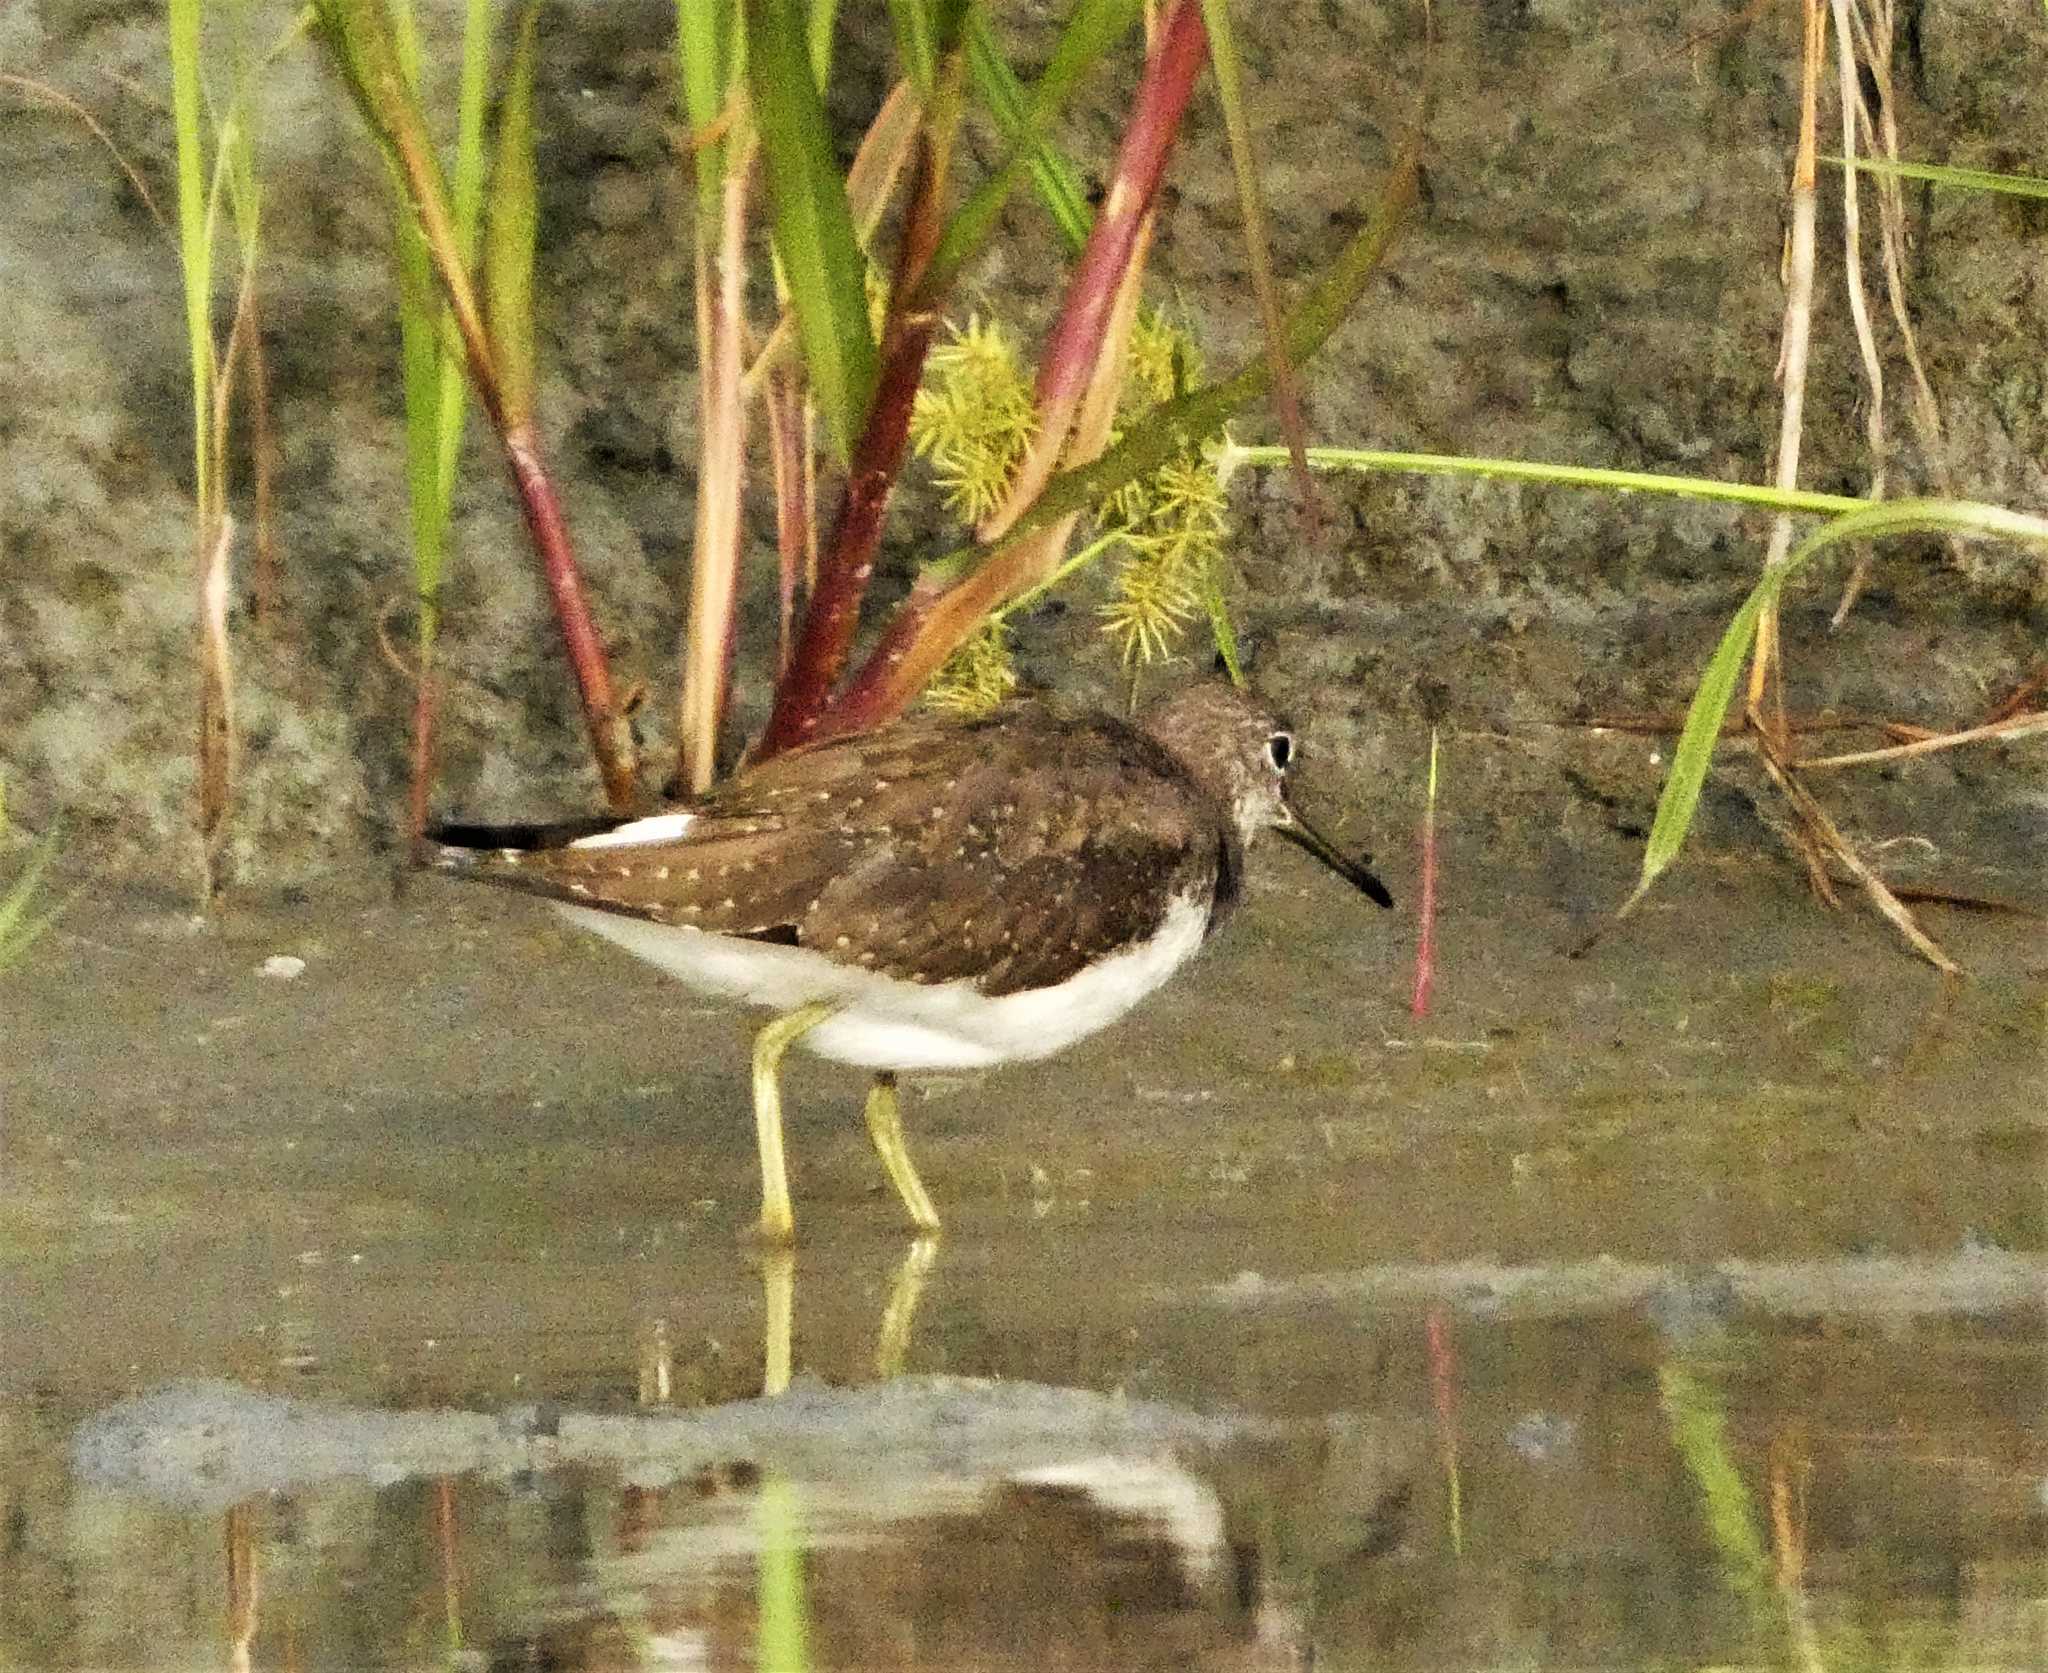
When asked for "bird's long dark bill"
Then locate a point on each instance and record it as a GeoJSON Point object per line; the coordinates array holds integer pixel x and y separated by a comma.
{"type": "Point", "coordinates": [1302, 834]}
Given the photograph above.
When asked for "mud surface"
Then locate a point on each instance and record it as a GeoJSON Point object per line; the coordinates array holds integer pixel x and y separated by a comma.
{"type": "Point", "coordinates": [1680, 1303]}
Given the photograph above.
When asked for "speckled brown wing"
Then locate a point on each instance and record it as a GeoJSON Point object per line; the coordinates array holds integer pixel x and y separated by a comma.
{"type": "Point", "coordinates": [932, 850]}
{"type": "Point", "coordinates": [751, 881]}
{"type": "Point", "coordinates": [757, 853]}
{"type": "Point", "coordinates": [1004, 870]}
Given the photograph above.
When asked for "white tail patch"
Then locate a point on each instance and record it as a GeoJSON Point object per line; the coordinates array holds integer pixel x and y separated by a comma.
{"type": "Point", "coordinates": [636, 833]}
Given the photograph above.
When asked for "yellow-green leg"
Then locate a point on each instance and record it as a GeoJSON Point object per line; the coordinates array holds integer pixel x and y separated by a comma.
{"type": "Point", "coordinates": [778, 1222]}
{"type": "Point", "coordinates": [778, 1318]}
{"type": "Point", "coordinates": [885, 1127]}
{"type": "Point", "coordinates": [892, 1341]}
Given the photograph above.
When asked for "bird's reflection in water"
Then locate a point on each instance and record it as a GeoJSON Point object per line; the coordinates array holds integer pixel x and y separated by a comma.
{"type": "Point", "coordinates": [892, 1337]}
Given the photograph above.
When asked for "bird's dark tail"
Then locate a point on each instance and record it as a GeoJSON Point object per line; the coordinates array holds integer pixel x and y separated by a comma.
{"type": "Point", "coordinates": [460, 849]}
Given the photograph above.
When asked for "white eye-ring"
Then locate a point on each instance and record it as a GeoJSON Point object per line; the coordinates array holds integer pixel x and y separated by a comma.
{"type": "Point", "coordinates": [1280, 750]}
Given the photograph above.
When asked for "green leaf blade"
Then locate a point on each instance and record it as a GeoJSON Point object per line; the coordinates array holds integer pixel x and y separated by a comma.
{"type": "Point", "coordinates": [1695, 753]}
{"type": "Point", "coordinates": [1710, 704]}
{"type": "Point", "coordinates": [1056, 180]}
{"type": "Point", "coordinates": [1969, 179]}
{"type": "Point", "coordinates": [195, 244]}
{"type": "Point", "coordinates": [705, 34]}
{"type": "Point", "coordinates": [1092, 29]}
{"type": "Point", "coordinates": [814, 233]}
{"type": "Point", "coordinates": [514, 230]}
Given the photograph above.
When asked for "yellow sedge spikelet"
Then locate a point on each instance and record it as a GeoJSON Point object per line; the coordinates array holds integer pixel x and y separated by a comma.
{"type": "Point", "coordinates": [976, 677]}
{"type": "Point", "coordinates": [1172, 523]}
{"type": "Point", "coordinates": [974, 417]}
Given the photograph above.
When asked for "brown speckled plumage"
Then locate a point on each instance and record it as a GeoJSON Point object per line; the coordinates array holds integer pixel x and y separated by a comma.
{"type": "Point", "coordinates": [933, 850]}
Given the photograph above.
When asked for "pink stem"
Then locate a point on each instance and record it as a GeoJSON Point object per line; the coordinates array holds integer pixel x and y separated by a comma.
{"type": "Point", "coordinates": [610, 738]}
{"type": "Point", "coordinates": [849, 560]}
{"type": "Point", "coordinates": [1071, 352]}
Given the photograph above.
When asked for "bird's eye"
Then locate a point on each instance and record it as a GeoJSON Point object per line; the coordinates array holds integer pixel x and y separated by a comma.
{"type": "Point", "coordinates": [1280, 750]}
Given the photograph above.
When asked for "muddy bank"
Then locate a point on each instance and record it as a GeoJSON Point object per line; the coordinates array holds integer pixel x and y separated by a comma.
{"type": "Point", "coordinates": [1593, 277]}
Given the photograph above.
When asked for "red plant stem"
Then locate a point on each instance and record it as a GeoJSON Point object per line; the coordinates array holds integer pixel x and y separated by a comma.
{"type": "Point", "coordinates": [242, 1578]}
{"type": "Point", "coordinates": [610, 738]}
{"type": "Point", "coordinates": [1101, 304]}
{"type": "Point", "coordinates": [932, 623]}
{"type": "Point", "coordinates": [216, 699]}
{"type": "Point", "coordinates": [445, 1538]}
{"type": "Point", "coordinates": [2020, 699]}
{"type": "Point", "coordinates": [1443, 1370]}
{"type": "Point", "coordinates": [849, 559]}
{"type": "Point", "coordinates": [1071, 351]}
{"type": "Point", "coordinates": [425, 710]}
{"type": "Point", "coordinates": [789, 446]}
{"type": "Point", "coordinates": [937, 618]}
{"type": "Point", "coordinates": [391, 113]}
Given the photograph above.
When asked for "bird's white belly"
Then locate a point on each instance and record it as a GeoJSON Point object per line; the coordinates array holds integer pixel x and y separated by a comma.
{"type": "Point", "coordinates": [887, 1024]}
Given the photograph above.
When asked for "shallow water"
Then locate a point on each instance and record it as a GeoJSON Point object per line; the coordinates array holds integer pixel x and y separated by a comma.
{"type": "Point", "coordinates": [1661, 1309]}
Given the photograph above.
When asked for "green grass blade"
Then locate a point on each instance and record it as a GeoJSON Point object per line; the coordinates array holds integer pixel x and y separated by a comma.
{"type": "Point", "coordinates": [1230, 456]}
{"type": "Point", "coordinates": [1972, 179]}
{"type": "Point", "coordinates": [1695, 753]}
{"type": "Point", "coordinates": [467, 187]}
{"type": "Point", "coordinates": [195, 244]}
{"type": "Point", "coordinates": [824, 13]}
{"type": "Point", "coordinates": [420, 362]}
{"type": "Point", "coordinates": [915, 45]}
{"type": "Point", "coordinates": [1221, 629]}
{"type": "Point", "coordinates": [358, 36]}
{"type": "Point", "coordinates": [436, 389]}
{"type": "Point", "coordinates": [782, 1596]}
{"type": "Point", "coordinates": [515, 217]}
{"type": "Point", "coordinates": [705, 31]}
{"type": "Point", "coordinates": [1092, 29]}
{"type": "Point", "coordinates": [814, 236]}
{"type": "Point", "coordinates": [467, 190]}
{"type": "Point", "coordinates": [926, 31]}
{"type": "Point", "coordinates": [1251, 206]}
{"type": "Point", "coordinates": [1056, 180]}
{"type": "Point", "coordinates": [1697, 1414]}
{"type": "Point", "coordinates": [17, 928]}
{"type": "Point", "coordinates": [1710, 704]}
{"type": "Point", "coordinates": [237, 138]}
